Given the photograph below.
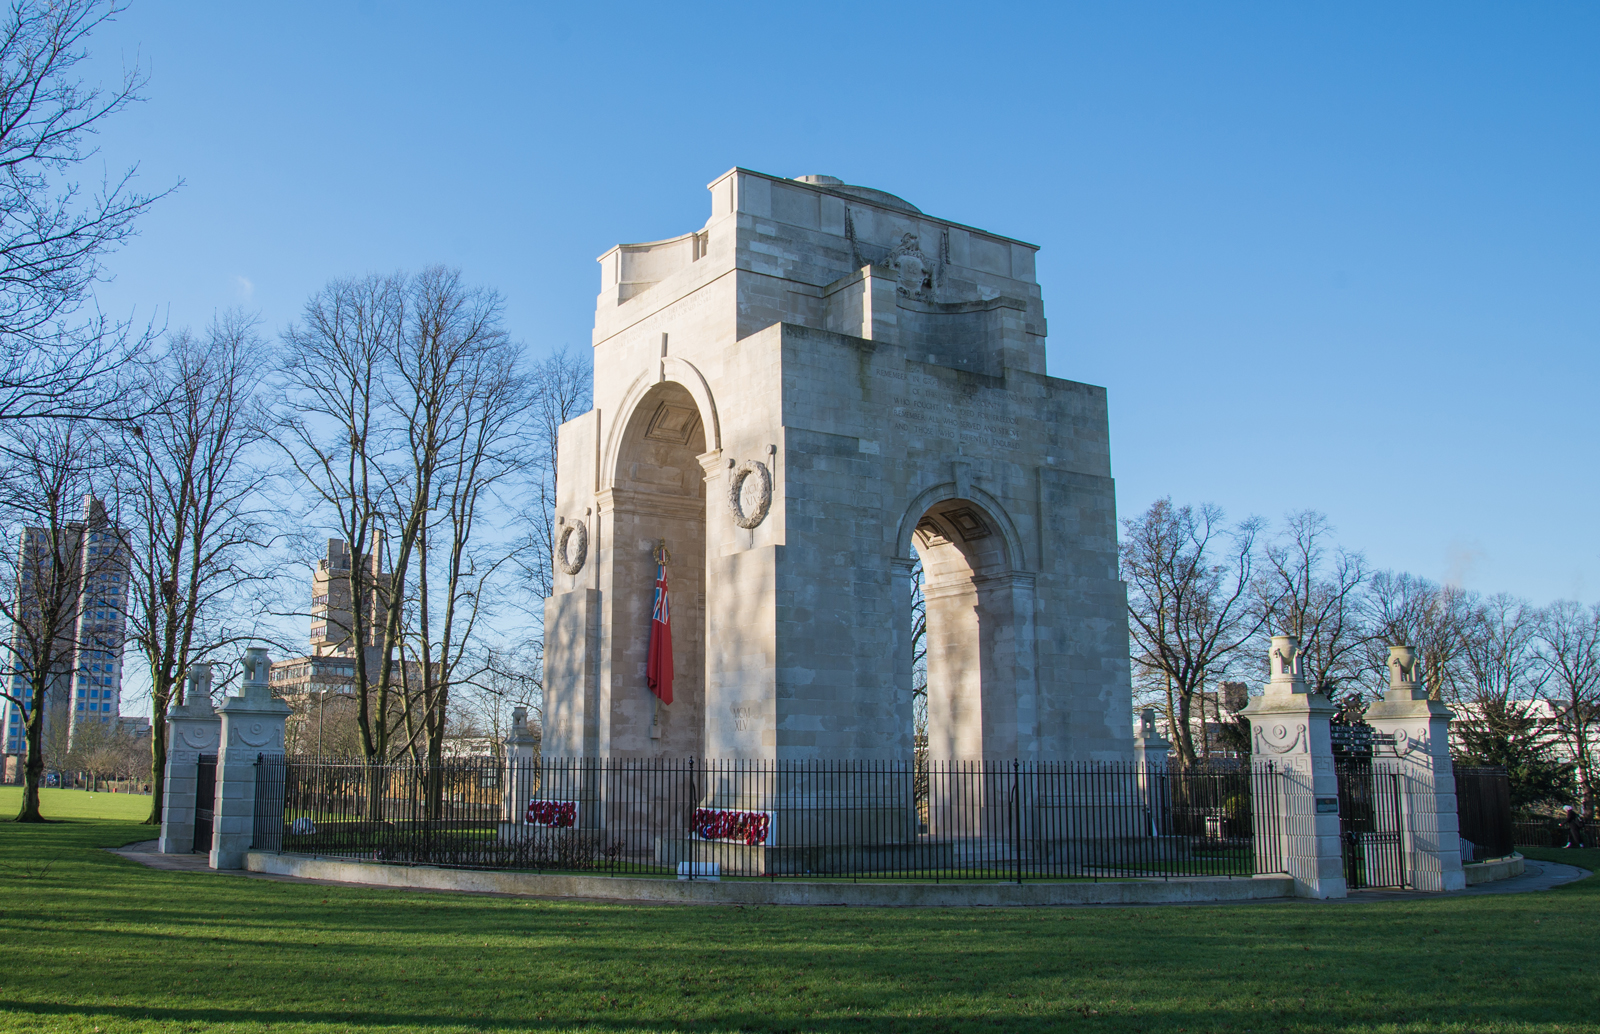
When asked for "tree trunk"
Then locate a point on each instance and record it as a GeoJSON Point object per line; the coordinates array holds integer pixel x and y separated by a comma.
{"type": "Point", "coordinates": [436, 769]}
{"type": "Point", "coordinates": [158, 761]}
{"type": "Point", "coordinates": [1185, 737]}
{"type": "Point", "coordinates": [33, 767]}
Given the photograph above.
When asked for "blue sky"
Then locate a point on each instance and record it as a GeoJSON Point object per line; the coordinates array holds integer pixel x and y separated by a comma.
{"type": "Point", "coordinates": [1341, 257]}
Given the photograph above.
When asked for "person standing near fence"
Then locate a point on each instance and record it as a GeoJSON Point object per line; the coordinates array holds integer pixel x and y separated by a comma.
{"type": "Point", "coordinates": [1573, 822]}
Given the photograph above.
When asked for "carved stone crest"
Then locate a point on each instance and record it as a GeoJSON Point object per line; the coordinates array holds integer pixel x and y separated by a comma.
{"type": "Point", "coordinates": [570, 556]}
{"type": "Point", "coordinates": [761, 492]}
{"type": "Point", "coordinates": [913, 267]}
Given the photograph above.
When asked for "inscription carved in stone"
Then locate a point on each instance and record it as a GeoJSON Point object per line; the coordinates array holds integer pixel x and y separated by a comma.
{"type": "Point", "coordinates": [978, 421]}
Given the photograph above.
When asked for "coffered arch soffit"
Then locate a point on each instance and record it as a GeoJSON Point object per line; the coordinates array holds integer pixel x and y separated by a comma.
{"type": "Point", "coordinates": [673, 370]}
{"type": "Point", "coordinates": [1016, 559]}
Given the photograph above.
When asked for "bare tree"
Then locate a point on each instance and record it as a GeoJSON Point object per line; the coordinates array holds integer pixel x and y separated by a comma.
{"type": "Point", "coordinates": [1404, 610]}
{"type": "Point", "coordinates": [561, 388]}
{"type": "Point", "coordinates": [193, 479]}
{"type": "Point", "coordinates": [54, 235]}
{"type": "Point", "coordinates": [1189, 602]}
{"type": "Point", "coordinates": [1499, 722]}
{"type": "Point", "coordinates": [62, 544]}
{"type": "Point", "coordinates": [1499, 655]}
{"type": "Point", "coordinates": [324, 724]}
{"type": "Point", "coordinates": [919, 652]}
{"type": "Point", "coordinates": [403, 398]}
{"type": "Point", "coordinates": [505, 681]}
{"type": "Point", "coordinates": [101, 751]}
{"type": "Point", "coordinates": [56, 744]}
{"type": "Point", "coordinates": [464, 401]}
{"type": "Point", "coordinates": [332, 432]}
{"type": "Point", "coordinates": [1569, 648]}
{"type": "Point", "coordinates": [1313, 593]}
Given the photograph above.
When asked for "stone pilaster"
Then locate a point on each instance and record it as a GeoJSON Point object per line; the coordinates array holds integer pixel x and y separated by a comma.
{"type": "Point", "coordinates": [522, 753]}
{"type": "Point", "coordinates": [1416, 731]}
{"type": "Point", "coordinates": [1150, 758]}
{"type": "Point", "coordinates": [252, 727]}
{"type": "Point", "coordinates": [193, 729]}
{"type": "Point", "coordinates": [1149, 749]}
{"type": "Point", "coordinates": [1289, 730]}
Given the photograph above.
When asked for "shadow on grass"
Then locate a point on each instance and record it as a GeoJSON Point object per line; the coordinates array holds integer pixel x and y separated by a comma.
{"type": "Point", "coordinates": [178, 952]}
{"type": "Point", "coordinates": [1287, 1015]}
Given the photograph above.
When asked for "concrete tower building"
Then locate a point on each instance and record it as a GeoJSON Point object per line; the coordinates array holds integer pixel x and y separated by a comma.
{"type": "Point", "coordinates": [330, 667]}
{"type": "Point", "coordinates": [86, 683]}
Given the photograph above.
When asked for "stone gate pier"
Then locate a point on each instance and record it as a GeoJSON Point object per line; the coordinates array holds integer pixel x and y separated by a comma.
{"type": "Point", "coordinates": [1415, 730]}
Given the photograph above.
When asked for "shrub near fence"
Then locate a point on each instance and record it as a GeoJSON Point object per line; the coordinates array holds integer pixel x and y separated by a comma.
{"type": "Point", "coordinates": [881, 820]}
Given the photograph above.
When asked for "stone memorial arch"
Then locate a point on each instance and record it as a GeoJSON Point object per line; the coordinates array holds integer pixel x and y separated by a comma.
{"type": "Point", "coordinates": [798, 399]}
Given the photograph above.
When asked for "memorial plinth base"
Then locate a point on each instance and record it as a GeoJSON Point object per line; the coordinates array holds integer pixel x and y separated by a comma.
{"type": "Point", "coordinates": [554, 847]}
{"type": "Point", "coordinates": [1112, 852]}
{"type": "Point", "coordinates": [748, 860]}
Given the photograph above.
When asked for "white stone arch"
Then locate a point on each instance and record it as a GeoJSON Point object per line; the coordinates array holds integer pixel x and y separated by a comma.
{"type": "Point", "coordinates": [1016, 557]}
{"type": "Point", "coordinates": [979, 600]}
{"type": "Point", "coordinates": [677, 371]}
{"type": "Point", "coordinates": [653, 490]}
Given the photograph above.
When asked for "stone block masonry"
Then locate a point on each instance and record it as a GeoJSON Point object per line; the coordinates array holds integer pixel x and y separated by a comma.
{"type": "Point", "coordinates": [192, 730]}
{"type": "Point", "coordinates": [252, 725]}
{"type": "Point", "coordinates": [801, 398]}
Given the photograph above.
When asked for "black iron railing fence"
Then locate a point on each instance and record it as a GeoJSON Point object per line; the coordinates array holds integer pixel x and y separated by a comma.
{"type": "Point", "coordinates": [1483, 808]}
{"type": "Point", "coordinates": [936, 820]}
{"type": "Point", "coordinates": [1553, 832]}
{"type": "Point", "coordinates": [1372, 820]}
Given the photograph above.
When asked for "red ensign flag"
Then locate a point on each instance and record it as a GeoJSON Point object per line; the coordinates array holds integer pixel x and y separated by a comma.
{"type": "Point", "coordinates": [658, 669]}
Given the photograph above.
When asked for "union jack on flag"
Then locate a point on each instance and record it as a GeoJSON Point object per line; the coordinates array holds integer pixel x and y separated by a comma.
{"type": "Point", "coordinates": [658, 666]}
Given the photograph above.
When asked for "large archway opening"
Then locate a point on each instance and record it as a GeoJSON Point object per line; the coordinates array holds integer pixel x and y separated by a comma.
{"type": "Point", "coordinates": [979, 692]}
{"type": "Point", "coordinates": [659, 498]}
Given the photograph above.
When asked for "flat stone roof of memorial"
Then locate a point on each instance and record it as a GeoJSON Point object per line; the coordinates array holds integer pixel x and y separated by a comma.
{"type": "Point", "coordinates": [853, 192]}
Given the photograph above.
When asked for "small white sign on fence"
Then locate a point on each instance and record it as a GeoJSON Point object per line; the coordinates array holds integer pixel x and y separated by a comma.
{"type": "Point", "coordinates": [700, 871]}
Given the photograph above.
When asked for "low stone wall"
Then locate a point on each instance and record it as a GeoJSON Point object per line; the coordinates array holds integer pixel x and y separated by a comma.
{"type": "Point", "coordinates": [1489, 872]}
{"type": "Point", "coordinates": [779, 892]}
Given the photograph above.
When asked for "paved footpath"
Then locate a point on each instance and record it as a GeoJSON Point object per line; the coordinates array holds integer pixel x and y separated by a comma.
{"type": "Point", "coordinates": [1535, 876]}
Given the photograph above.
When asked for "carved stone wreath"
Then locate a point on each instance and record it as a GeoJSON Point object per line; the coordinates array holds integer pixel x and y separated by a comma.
{"type": "Point", "coordinates": [1281, 739]}
{"type": "Point", "coordinates": [763, 501]}
{"type": "Point", "coordinates": [571, 562]}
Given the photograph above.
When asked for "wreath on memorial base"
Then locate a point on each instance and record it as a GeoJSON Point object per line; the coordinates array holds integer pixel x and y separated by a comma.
{"type": "Point", "coordinates": [560, 814]}
{"type": "Point", "coordinates": [750, 828]}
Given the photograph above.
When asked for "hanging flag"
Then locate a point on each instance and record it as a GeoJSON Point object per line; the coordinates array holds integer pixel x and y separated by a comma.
{"type": "Point", "coordinates": [658, 669]}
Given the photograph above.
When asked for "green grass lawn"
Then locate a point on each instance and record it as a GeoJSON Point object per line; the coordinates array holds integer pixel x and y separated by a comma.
{"type": "Point", "coordinates": [78, 804]}
{"type": "Point", "coordinates": [94, 943]}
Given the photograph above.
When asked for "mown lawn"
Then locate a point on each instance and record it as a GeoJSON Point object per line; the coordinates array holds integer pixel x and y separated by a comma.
{"type": "Point", "coordinates": [94, 943]}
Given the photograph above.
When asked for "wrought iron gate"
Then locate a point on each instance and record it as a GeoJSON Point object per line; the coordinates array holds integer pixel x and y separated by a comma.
{"type": "Point", "coordinates": [1371, 825]}
{"type": "Point", "coordinates": [205, 800]}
